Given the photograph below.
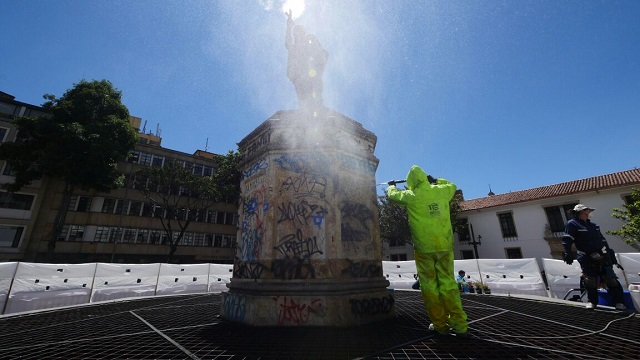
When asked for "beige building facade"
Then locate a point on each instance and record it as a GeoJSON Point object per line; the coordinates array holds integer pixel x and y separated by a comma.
{"type": "Point", "coordinates": [118, 226]}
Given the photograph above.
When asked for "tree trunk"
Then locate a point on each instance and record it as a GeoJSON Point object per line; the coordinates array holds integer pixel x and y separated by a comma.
{"type": "Point", "coordinates": [61, 216]}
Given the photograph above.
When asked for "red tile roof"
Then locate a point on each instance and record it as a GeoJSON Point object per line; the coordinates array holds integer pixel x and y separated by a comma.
{"type": "Point", "coordinates": [623, 178]}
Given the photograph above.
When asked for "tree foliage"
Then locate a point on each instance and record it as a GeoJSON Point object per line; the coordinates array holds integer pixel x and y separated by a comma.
{"type": "Point", "coordinates": [630, 214]}
{"type": "Point", "coordinates": [85, 133]}
{"type": "Point", "coordinates": [179, 197]}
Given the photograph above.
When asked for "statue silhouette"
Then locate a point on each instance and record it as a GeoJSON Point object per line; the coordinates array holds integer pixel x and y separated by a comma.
{"type": "Point", "coordinates": [305, 66]}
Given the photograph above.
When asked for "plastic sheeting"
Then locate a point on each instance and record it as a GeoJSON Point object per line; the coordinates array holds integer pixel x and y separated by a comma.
{"type": "Point", "coordinates": [183, 279]}
{"type": "Point", "coordinates": [31, 286]}
{"type": "Point", "coordinates": [42, 286]}
{"type": "Point", "coordinates": [512, 276]}
{"type": "Point", "coordinates": [7, 273]}
{"type": "Point", "coordinates": [631, 264]}
{"type": "Point", "coordinates": [399, 273]}
{"type": "Point", "coordinates": [219, 276]}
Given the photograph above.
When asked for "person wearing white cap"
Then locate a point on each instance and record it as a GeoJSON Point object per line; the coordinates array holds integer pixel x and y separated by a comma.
{"type": "Point", "coordinates": [595, 256]}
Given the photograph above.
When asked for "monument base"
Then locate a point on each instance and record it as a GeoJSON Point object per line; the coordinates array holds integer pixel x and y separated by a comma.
{"type": "Point", "coordinates": [325, 303]}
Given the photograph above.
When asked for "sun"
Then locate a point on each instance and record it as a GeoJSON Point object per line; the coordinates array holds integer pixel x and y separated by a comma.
{"type": "Point", "coordinates": [296, 7]}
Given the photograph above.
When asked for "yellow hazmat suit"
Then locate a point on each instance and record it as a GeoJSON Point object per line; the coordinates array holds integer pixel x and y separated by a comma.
{"type": "Point", "coordinates": [428, 210]}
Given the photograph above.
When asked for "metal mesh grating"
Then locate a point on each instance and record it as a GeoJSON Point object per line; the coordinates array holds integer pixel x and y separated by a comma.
{"type": "Point", "coordinates": [187, 327]}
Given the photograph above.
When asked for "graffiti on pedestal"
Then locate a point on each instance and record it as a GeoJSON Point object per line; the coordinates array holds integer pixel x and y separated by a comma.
{"type": "Point", "coordinates": [295, 312]}
{"type": "Point", "coordinates": [254, 208]}
{"type": "Point", "coordinates": [362, 269]}
{"type": "Point", "coordinates": [355, 226]}
{"type": "Point", "coordinates": [372, 306]}
{"type": "Point", "coordinates": [248, 269]}
{"type": "Point", "coordinates": [235, 307]}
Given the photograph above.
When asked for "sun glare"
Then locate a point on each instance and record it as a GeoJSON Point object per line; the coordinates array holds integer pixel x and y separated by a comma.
{"type": "Point", "coordinates": [296, 7]}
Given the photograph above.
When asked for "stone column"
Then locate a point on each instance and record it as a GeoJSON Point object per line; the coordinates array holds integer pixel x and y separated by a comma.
{"type": "Point", "coordinates": [309, 250]}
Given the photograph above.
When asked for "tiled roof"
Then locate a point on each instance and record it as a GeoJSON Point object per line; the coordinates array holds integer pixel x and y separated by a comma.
{"type": "Point", "coordinates": [623, 178]}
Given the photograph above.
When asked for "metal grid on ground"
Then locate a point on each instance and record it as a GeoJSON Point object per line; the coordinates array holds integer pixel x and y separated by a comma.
{"type": "Point", "coordinates": [187, 327]}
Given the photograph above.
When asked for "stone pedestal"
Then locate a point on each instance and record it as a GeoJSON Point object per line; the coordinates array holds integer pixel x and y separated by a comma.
{"type": "Point", "coordinates": [309, 249]}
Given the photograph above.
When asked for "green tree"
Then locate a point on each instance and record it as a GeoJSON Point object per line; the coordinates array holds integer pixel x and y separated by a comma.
{"type": "Point", "coordinates": [394, 221]}
{"type": "Point", "coordinates": [178, 196]}
{"type": "Point", "coordinates": [85, 134]}
{"type": "Point", "coordinates": [630, 214]}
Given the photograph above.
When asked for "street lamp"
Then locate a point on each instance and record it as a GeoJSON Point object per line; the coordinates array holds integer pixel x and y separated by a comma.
{"type": "Point", "coordinates": [474, 242]}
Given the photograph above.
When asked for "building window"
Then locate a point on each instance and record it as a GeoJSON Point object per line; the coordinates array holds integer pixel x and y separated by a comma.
{"type": "Point", "coordinates": [154, 236]}
{"type": "Point", "coordinates": [108, 206]}
{"type": "Point", "coordinates": [129, 236]}
{"type": "Point", "coordinates": [513, 253]}
{"type": "Point", "coordinates": [10, 236]}
{"type": "Point", "coordinates": [628, 199]}
{"type": "Point", "coordinates": [3, 133]}
{"type": "Point", "coordinates": [228, 241]}
{"type": "Point", "coordinates": [230, 218]}
{"type": "Point", "coordinates": [197, 170]}
{"type": "Point", "coordinates": [142, 236]}
{"type": "Point", "coordinates": [467, 254]}
{"type": "Point", "coordinates": [71, 233]}
{"type": "Point", "coordinates": [116, 235]}
{"type": "Point", "coordinates": [102, 234]}
{"type": "Point", "coordinates": [463, 232]}
{"type": "Point", "coordinates": [217, 242]}
{"type": "Point", "coordinates": [122, 206]}
{"type": "Point", "coordinates": [507, 226]}
{"type": "Point", "coordinates": [135, 208]}
{"type": "Point", "coordinates": [188, 239]}
{"type": "Point", "coordinates": [557, 217]}
{"type": "Point", "coordinates": [15, 201]}
{"type": "Point", "coordinates": [208, 171]}
{"type": "Point", "coordinates": [157, 161]}
{"type": "Point", "coordinates": [145, 159]}
{"type": "Point", "coordinates": [220, 217]}
{"type": "Point", "coordinates": [208, 240]}
{"type": "Point", "coordinates": [7, 170]}
{"type": "Point", "coordinates": [198, 239]}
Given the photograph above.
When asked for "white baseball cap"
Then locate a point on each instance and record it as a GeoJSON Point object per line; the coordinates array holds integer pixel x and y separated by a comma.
{"type": "Point", "coordinates": [581, 207]}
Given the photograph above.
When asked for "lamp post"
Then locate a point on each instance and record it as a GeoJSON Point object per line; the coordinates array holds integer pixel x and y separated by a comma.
{"type": "Point", "coordinates": [475, 243]}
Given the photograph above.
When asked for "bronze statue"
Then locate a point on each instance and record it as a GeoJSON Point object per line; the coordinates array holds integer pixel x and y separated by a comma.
{"type": "Point", "coordinates": [305, 65]}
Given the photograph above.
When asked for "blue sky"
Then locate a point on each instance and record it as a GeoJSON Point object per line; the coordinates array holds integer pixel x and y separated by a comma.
{"type": "Point", "coordinates": [512, 94]}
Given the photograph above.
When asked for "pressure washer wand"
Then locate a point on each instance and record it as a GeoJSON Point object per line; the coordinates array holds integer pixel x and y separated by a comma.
{"type": "Point", "coordinates": [393, 182]}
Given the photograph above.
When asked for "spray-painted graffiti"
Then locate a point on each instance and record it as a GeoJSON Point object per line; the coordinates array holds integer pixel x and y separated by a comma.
{"type": "Point", "coordinates": [294, 268]}
{"type": "Point", "coordinates": [248, 270]}
{"type": "Point", "coordinates": [254, 208]}
{"type": "Point", "coordinates": [355, 163]}
{"type": "Point", "coordinates": [362, 269]}
{"type": "Point", "coordinates": [303, 163]}
{"type": "Point", "coordinates": [372, 306]}
{"type": "Point", "coordinates": [297, 313]}
{"type": "Point", "coordinates": [259, 142]}
{"type": "Point", "coordinates": [295, 245]}
{"type": "Point", "coordinates": [305, 185]}
{"type": "Point", "coordinates": [301, 212]}
{"type": "Point", "coordinates": [258, 166]}
{"type": "Point", "coordinates": [234, 307]}
{"type": "Point", "coordinates": [354, 228]}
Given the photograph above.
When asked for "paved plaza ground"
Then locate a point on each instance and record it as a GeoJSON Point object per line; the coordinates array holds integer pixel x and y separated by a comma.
{"type": "Point", "coordinates": [188, 327]}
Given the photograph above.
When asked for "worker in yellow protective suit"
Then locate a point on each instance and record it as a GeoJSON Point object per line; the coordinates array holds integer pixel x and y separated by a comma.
{"type": "Point", "coordinates": [427, 202]}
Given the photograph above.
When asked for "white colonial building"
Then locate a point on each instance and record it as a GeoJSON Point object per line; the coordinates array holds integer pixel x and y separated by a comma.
{"type": "Point", "coordinates": [530, 223]}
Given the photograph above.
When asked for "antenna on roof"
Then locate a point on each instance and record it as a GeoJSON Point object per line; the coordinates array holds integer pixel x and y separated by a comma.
{"type": "Point", "coordinates": [206, 145]}
{"type": "Point", "coordinates": [144, 127]}
{"type": "Point", "coordinates": [490, 192]}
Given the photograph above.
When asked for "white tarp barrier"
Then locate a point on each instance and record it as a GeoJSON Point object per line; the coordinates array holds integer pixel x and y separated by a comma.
{"type": "Point", "coordinates": [182, 279]}
{"type": "Point", "coordinates": [562, 277]}
{"type": "Point", "coordinates": [219, 276]}
{"type": "Point", "coordinates": [631, 264]}
{"type": "Point", "coordinates": [7, 273]}
{"type": "Point", "coordinates": [470, 267]}
{"type": "Point", "coordinates": [43, 286]}
{"type": "Point", "coordinates": [512, 276]}
{"type": "Point", "coordinates": [117, 281]}
{"type": "Point", "coordinates": [399, 273]}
